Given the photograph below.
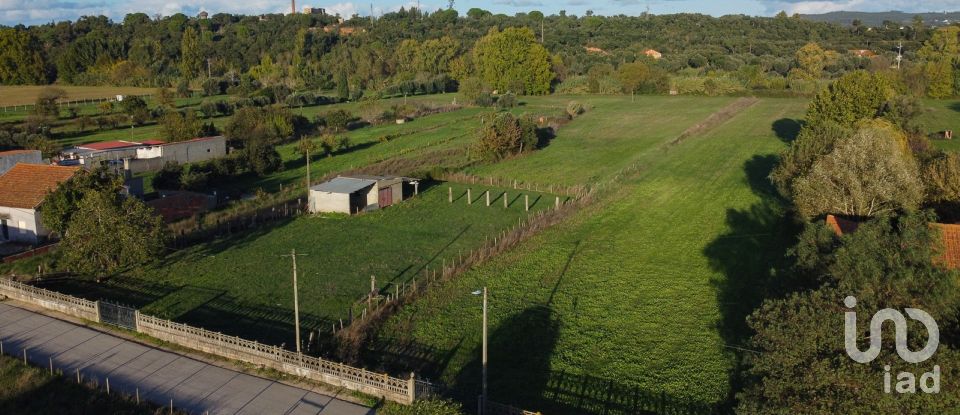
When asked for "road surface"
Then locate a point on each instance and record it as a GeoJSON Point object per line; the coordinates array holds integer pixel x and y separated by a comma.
{"type": "Point", "coordinates": [159, 375]}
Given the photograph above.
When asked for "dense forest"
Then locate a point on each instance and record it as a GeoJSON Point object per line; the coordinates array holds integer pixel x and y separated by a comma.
{"type": "Point", "coordinates": [411, 51]}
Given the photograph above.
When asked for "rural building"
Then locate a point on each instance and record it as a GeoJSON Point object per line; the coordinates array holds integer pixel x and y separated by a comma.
{"type": "Point", "coordinates": [93, 155]}
{"type": "Point", "coordinates": [950, 233]}
{"type": "Point", "coordinates": [314, 10]}
{"type": "Point", "coordinates": [653, 54]}
{"type": "Point", "coordinates": [22, 190]}
{"type": "Point", "coordinates": [155, 155]}
{"type": "Point", "coordinates": [8, 159]}
{"type": "Point", "coordinates": [352, 194]}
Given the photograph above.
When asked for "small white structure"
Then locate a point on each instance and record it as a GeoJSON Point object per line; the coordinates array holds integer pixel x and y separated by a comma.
{"type": "Point", "coordinates": [353, 194]}
{"type": "Point", "coordinates": [154, 156]}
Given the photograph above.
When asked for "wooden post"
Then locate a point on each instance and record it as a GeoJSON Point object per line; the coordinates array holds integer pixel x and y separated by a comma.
{"type": "Point", "coordinates": [558, 202]}
{"type": "Point", "coordinates": [78, 375]}
{"type": "Point", "coordinates": [488, 198]}
{"type": "Point", "coordinates": [450, 194]}
{"type": "Point", "coordinates": [138, 395]}
{"type": "Point", "coordinates": [526, 202]}
{"type": "Point", "coordinates": [469, 197]}
{"type": "Point", "coordinates": [51, 366]}
{"type": "Point", "coordinates": [24, 355]}
{"type": "Point", "coordinates": [504, 199]}
{"type": "Point", "coordinates": [108, 386]}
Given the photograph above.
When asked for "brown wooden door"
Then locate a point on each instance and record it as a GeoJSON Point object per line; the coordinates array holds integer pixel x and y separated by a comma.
{"type": "Point", "coordinates": [386, 197]}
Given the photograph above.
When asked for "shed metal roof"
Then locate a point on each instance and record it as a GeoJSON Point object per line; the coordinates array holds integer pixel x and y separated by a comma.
{"type": "Point", "coordinates": [343, 185]}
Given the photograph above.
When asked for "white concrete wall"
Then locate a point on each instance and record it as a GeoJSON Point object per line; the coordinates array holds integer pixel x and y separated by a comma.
{"type": "Point", "coordinates": [194, 151]}
{"type": "Point", "coordinates": [329, 202]}
{"type": "Point", "coordinates": [23, 225]}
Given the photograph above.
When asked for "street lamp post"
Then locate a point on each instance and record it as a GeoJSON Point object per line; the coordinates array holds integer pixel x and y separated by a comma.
{"type": "Point", "coordinates": [483, 396]}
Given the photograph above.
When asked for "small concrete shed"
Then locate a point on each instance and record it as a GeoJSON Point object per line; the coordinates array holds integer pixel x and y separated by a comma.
{"type": "Point", "coordinates": [352, 194]}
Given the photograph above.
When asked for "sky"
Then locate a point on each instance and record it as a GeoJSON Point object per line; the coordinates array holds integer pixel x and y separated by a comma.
{"type": "Point", "coordinates": [27, 12]}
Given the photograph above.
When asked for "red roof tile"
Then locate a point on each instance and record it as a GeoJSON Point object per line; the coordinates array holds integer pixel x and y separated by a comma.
{"type": "Point", "coordinates": [25, 185]}
{"type": "Point", "coordinates": [13, 152]}
{"type": "Point", "coordinates": [109, 145]}
{"type": "Point", "coordinates": [153, 142]}
{"type": "Point", "coordinates": [841, 226]}
{"type": "Point", "coordinates": [951, 244]}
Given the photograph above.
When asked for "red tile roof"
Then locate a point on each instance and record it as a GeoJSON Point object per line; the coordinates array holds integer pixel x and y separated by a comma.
{"type": "Point", "coordinates": [841, 226]}
{"type": "Point", "coordinates": [13, 152]}
{"type": "Point", "coordinates": [153, 142]}
{"type": "Point", "coordinates": [25, 185]}
{"type": "Point", "coordinates": [109, 145]}
{"type": "Point", "coordinates": [950, 234]}
{"type": "Point", "coordinates": [951, 244]}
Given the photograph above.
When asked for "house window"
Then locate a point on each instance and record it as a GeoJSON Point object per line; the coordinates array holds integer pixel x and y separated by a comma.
{"type": "Point", "coordinates": [22, 226]}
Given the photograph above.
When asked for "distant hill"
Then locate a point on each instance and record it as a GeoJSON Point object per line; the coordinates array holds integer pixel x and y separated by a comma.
{"type": "Point", "coordinates": [877, 19]}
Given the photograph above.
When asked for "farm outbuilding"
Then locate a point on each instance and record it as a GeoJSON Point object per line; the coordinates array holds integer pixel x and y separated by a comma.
{"type": "Point", "coordinates": [353, 194]}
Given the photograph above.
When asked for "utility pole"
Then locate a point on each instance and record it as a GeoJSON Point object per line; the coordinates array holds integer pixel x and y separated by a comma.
{"type": "Point", "coordinates": [541, 30]}
{"type": "Point", "coordinates": [296, 301]}
{"type": "Point", "coordinates": [307, 145]}
{"type": "Point", "coordinates": [899, 54]}
{"type": "Point", "coordinates": [484, 350]}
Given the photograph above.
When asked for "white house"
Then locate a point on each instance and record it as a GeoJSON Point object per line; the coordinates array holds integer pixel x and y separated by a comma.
{"type": "Point", "coordinates": [352, 194]}
{"type": "Point", "coordinates": [22, 190]}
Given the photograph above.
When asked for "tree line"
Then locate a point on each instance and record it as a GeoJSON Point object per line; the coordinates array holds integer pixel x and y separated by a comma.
{"type": "Point", "coordinates": [410, 51]}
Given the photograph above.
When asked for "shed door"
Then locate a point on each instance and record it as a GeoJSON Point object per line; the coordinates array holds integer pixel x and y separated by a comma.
{"type": "Point", "coordinates": [386, 197]}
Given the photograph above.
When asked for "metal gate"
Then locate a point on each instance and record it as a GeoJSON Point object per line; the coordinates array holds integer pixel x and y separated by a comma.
{"type": "Point", "coordinates": [117, 315]}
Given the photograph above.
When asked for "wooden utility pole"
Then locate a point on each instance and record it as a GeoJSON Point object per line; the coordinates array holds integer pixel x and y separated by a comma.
{"type": "Point", "coordinates": [296, 301]}
{"type": "Point", "coordinates": [307, 146]}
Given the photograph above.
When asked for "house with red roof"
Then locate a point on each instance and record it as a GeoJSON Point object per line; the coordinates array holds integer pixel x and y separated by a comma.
{"type": "Point", "coordinates": [22, 190]}
{"type": "Point", "coordinates": [950, 234]}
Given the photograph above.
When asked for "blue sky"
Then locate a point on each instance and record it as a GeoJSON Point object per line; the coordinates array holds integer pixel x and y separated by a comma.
{"type": "Point", "coordinates": [41, 11]}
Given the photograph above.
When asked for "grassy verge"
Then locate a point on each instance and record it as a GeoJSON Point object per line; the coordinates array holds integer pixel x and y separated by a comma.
{"type": "Point", "coordinates": [28, 390]}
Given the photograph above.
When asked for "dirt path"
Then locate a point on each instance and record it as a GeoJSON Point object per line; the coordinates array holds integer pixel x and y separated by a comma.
{"type": "Point", "coordinates": [715, 119]}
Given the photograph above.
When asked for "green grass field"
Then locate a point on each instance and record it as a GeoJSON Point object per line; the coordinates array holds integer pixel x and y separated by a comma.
{"type": "Point", "coordinates": [633, 305]}
{"type": "Point", "coordinates": [26, 390]}
{"type": "Point", "coordinates": [242, 285]}
{"type": "Point", "coordinates": [27, 95]}
{"type": "Point", "coordinates": [943, 115]}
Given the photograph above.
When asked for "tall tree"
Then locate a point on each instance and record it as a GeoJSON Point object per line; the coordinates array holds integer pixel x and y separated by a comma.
{"type": "Point", "coordinates": [191, 54]}
{"type": "Point", "coordinates": [21, 58]}
{"type": "Point", "coordinates": [513, 60]}
{"type": "Point", "coordinates": [110, 233]}
{"type": "Point", "coordinates": [870, 173]}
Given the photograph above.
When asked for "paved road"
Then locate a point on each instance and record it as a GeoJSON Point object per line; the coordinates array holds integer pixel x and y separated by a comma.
{"type": "Point", "coordinates": [160, 375]}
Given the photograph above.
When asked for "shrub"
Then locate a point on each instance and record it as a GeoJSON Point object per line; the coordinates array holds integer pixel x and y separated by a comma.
{"type": "Point", "coordinates": [574, 109]}
{"type": "Point", "coordinates": [508, 100]}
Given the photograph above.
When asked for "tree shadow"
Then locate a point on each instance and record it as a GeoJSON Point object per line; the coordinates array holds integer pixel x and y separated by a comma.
{"type": "Point", "coordinates": [750, 256]}
{"type": "Point", "coordinates": [954, 106]}
{"type": "Point", "coordinates": [787, 129]}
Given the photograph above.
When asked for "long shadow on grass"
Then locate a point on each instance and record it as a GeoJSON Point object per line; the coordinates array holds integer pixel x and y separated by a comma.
{"type": "Point", "coordinates": [787, 129]}
{"type": "Point", "coordinates": [955, 106]}
{"type": "Point", "coordinates": [750, 255]}
{"type": "Point", "coordinates": [519, 375]}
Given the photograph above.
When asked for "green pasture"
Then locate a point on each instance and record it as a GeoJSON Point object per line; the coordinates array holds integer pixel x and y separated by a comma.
{"type": "Point", "coordinates": [943, 115]}
{"type": "Point", "coordinates": [241, 284]}
{"type": "Point", "coordinates": [636, 304]}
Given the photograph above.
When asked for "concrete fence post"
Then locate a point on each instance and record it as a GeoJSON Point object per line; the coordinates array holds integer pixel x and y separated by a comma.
{"type": "Point", "coordinates": [488, 198]}
{"type": "Point", "coordinates": [469, 197]}
{"type": "Point", "coordinates": [411, 389]}
{"type": "Point", "coordinates": [504, 199]}
{"type": "Point", "coordinates": [450, 194]}
{"type": "Point", "coordinates": [526, 203]}
{"type": "Point", "coordinates": [557, 205]}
